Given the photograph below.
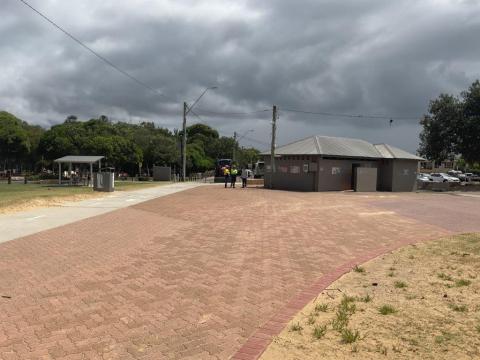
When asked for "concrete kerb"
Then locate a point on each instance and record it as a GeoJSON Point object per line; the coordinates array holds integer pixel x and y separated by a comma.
{"type": "Point", "coordinates": [258, 342]}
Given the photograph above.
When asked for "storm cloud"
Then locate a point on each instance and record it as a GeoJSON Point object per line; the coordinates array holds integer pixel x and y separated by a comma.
{"type": "Point", "coordinates": [349, 57]}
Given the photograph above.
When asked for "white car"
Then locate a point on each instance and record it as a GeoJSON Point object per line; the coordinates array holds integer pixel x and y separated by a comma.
{"type": "Point", "coordinates": [442, 177]}
{"type": "Point", "coordinates": [457, 174]}
{"type": "Point", "coordinates": [424, 178]}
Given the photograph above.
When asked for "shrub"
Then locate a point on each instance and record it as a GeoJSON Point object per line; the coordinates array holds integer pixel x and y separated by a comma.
{"type": "Point", "coordinates": [386, 310]}
{"type": "Point", "coordinates": [319, 331]}
{"type": "Point", "coordinates": [350, 336]}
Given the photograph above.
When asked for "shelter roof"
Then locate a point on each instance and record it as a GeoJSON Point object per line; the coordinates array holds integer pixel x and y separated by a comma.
{"type": "Point", "coordinates": [79, 159]}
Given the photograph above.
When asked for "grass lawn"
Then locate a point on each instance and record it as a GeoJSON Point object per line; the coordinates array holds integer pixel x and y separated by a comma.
{"type": "Point", "coordinates": [420, 302]}
{"type": "Point", "coordinates": [18, 196]}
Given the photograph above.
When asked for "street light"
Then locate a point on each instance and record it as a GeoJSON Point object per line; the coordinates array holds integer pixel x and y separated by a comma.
{"type": "Point", "coordinates": [186, 110]}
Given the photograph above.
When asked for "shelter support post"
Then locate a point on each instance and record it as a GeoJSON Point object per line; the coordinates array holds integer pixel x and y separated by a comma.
{"type": "Point", "coordinates": [70, 173]}
{"type": "Point", "coordinates": [90, 182]}
{"type": "Point", "coordinates": [59, 173]}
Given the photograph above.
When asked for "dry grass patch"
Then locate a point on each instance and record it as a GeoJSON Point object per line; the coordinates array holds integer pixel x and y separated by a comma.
{"type": "Point", "coordinates": [21, 197]}
{"type": "Point", "coordinates": [431, 312]}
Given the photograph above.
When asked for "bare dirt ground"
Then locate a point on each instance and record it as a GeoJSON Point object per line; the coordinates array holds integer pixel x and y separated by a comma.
{"type": "Point", "coordinates": [25, 205]}
{"type": "Point", "coordinates": [20, 197]}
{"type": "Point", "coordinates": [420, 302]}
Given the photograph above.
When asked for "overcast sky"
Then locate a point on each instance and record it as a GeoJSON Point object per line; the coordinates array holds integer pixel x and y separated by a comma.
{"type": "Point", "coordinates": [354, 57]}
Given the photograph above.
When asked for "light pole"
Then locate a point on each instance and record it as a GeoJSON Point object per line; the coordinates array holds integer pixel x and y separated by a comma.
{"type": "Point", "coordinates": [186, 110]}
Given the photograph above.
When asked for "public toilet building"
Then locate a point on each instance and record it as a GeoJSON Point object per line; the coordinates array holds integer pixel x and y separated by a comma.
{"type": "Point", "coordinates": [322, 163]}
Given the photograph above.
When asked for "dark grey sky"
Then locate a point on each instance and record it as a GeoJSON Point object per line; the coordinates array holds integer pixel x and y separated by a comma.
{"type": "Point", "coordinates": [355, 57]}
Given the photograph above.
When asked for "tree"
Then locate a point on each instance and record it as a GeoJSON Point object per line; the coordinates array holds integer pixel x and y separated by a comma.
{"type": "Point", "coordinates": [248, 156]}
{"type": "Point", "coordinates": [452, 127]}
{"type": "Point", "coordinates": [440, 128]}
{"type": "Point", "coordinates": [14, 141]}
{"type": "Point", "coordinates": [127, 147]}
{"type": "Point", "coordinates": [469, 130]}
{"type": "Point", "coordinates": [34, 159]}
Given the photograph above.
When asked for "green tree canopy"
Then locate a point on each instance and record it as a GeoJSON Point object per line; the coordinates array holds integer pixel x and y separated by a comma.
{"type": "Point", "coordinates": [15, 144]}
{"type": "Point", "coordinates": [452, 127]}
{"type": "Point", "coordinates": [126, 146]}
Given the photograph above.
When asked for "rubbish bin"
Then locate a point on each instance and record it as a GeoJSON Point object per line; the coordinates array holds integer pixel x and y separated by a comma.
{"type": "Point", "coordinates": [104, 180]}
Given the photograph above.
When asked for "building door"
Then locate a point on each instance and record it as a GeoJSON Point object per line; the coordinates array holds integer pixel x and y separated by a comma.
{"type": "Point", "coordinates": [354, 175]}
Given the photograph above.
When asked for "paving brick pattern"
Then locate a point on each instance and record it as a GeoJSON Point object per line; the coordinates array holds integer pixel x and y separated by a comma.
{"type": "Point", "coordinates": [191, 275]}
{"type": "Point", "coordinates": [449, 211]}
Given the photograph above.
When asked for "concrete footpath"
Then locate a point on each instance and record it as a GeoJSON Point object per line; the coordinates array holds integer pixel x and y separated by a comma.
{"type": "Point", "coordinates": [38, 219]}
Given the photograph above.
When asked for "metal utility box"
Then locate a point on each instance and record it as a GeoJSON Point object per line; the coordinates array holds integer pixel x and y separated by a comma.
{"type": "Point", "coordinates": [365, 179]}
{"type": "Point", "coordinates": [104, 180]}
{"type": "Point", "coordinates": [162, 173]}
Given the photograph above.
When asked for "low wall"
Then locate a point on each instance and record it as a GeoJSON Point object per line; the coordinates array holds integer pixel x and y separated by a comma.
{"type": "Point", "coordinates": [449, 186]}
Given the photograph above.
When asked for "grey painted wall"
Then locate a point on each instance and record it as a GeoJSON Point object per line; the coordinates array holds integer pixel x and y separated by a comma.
{"type": "Point", "coordinates": [366, 179]}
{"type": "Point", "coordinates": [404, 175]}
{"type": "Point", "coordinates": [293, 173]}
{"type": "Point", "coordinates": [336, 174]}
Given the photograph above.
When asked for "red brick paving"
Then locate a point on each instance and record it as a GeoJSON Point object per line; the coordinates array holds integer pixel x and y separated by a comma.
{"type": "Point", "coordinates": [449, 211]}
{"type": "Point", "coordinates": [191, 275]}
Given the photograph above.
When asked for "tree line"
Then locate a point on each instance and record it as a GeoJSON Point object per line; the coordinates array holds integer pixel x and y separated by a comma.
{"type": "Point", "coordinates": [131, 148]}
{"type": "Point", "coordinates": [451, 129]}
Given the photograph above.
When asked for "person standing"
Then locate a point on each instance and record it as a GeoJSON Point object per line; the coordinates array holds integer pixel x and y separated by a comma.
{"type": "Point", "coordinates": [226, 175]}
{"type": "Point", "coordinates": [233, 176]}
{"type": "Point", "coordinates": [244, 177]}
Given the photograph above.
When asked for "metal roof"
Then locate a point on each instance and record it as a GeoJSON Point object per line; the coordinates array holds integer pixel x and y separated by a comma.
{"type": "Point", "coordinates": [342, 147]}
{"type": "Point", "coordinates": [79, 159]}
{"type": "Point", "coordinates": [392, 152]}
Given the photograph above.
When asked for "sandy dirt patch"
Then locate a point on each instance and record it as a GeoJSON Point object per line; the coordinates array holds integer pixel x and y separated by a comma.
{"type": "Point", "coordinates": [419, 302]}
{"type": "Point", "coordinates": [46, 202]}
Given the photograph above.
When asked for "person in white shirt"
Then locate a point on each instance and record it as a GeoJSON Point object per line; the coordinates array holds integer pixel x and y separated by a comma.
{"type": "Point", "coordinates": [244, 177]}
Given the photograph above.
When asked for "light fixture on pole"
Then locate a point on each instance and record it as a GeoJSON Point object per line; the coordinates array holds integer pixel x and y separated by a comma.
{"type": "Point", "coordinates": [186, 110]}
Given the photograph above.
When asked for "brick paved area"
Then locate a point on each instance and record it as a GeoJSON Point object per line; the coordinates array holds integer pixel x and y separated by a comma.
{"type": "Point", "coordinates": [449, 211]}
{"type": "Point", "coordinates": [189, 275]}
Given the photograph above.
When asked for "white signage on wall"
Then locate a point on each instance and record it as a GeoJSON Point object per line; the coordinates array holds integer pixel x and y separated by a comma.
{"type": "Point", "coordinates": [295, 169]}
{"type": "Point", "coordinates": [336, 170]}
{"type": "Point", "coordinates": [305, 168]}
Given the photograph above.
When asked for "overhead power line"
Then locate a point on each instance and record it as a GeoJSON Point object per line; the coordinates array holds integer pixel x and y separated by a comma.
{"type": "Point", "coordinates": [384, 117]}
{"type": "Point", "coordinates": [233, 113]}
{"type": "Point", "coordinates": [206, 111]}
{"type": "Point", "coordinates": [256, 141]}
{"type": "Point", "coordinates": [86, 47]}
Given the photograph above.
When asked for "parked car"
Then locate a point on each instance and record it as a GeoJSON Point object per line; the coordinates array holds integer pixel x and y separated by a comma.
{"type": "Point", "coordinates": [424, 178]}
{"type": "Point", "coordinates": [473, 176]}
{"type": "Point", "coordinates": [442, 177]}
{"type": "Point", "coordinates": [259, 170]}
{"type": "Point", "coordinates": [458, 174]}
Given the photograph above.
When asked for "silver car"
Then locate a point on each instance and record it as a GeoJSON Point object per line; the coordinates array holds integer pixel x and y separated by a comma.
{"type": "Point", "coordinates": [442, 177]}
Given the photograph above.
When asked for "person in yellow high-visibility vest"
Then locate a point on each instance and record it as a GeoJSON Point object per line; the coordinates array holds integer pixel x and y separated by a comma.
{"type": "Point", "coordinates": [226, 174]}
{"type": "Point", "coordinates": [233, 176]}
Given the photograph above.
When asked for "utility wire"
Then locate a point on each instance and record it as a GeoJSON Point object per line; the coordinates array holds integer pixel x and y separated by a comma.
{"type": "Point", "coordinates": [102, 58]}
{"type": "Point", "coordinates": [350, 115]}
{"type": "Point", "coordinates": [233, 113]}
{"type": "Point", "coordinates": [256, 141]}
{"type": "Point", "coordinates": [148, 87]}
